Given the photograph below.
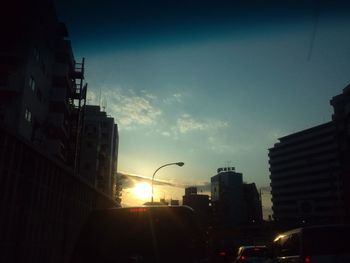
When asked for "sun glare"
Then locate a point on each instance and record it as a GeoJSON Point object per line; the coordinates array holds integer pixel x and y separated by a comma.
{"type": "Point", "coordinates": [142, 191]}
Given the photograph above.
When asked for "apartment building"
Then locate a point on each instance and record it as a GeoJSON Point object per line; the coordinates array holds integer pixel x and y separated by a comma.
{"type": "Point", "coordinates": [309, 171]}
{"type": "Point", "coordinates": [42, 94]}
{"type": "Point", "coordinates": [99, 150]}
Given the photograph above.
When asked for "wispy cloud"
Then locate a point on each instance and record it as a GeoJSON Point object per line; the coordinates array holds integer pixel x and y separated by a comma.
{"type": "Point", "coordinates": [131, 108]}
{"type": "Point", "coordinates": [129, 180]}
{"type": "Point", "coordinates": [166, 134]}
{"type": "Point", "coordinates": [174, 98]}
{"type": "Point", "coordinates": [218, 145]}
{"type": "Point", "coordinates": [127, 107]}
{"type": "Point", "coordinates": [186, 123]}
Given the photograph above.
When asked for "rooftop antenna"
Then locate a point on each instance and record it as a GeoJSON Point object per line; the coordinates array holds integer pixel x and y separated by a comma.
{"type": "Point", "coordinates": [88, 100]}
{"type": "Point", "coordinates": [99, 98]}
{"type": "Point", "coordinates": [228, 165]}
{"type": "Point", "coordinates": [104, 104]}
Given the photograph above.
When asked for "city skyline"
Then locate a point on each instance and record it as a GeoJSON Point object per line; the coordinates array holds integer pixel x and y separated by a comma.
{"type": "Point", "coordinates": [208, 93]}
{"type": "Point", "coordinates": [133, 129]}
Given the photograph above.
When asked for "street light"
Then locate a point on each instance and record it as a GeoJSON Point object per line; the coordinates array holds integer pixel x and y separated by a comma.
{"type": "Point", "coordinates": [178, 164]}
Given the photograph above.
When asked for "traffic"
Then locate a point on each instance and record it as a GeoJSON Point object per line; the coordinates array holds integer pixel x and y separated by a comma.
{"type": "Point", "coordinates": [171, 234]}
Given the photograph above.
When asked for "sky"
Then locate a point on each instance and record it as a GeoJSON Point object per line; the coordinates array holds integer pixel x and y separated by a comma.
{"type": "Point", "coordinates": [208, 83]}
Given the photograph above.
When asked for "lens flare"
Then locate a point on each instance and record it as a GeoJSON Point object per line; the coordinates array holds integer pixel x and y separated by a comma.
{"type": "Point", "coordinates": [142, 191]}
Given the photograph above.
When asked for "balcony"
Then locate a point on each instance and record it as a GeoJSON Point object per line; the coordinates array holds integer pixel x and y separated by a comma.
{"type": "Point", "coordinates": [78, 72]}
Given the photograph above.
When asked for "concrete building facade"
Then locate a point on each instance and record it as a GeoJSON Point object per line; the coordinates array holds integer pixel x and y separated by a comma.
{"type": "Point", "coordinates": [252, 201]}
{"type": "Point", "coordinates": [99, 147]}
{"type": "Point", "coordinates": [234, 202]}
{"type": "Point", "coordinates": [309, 171]}
{"type": "Point", "coordinates": [341, 119]}
{"type": "Point", "coordinates": [43, 203]}
{"type": "Point", "coordinates": [42, 94]}
{"type": "Point", "coordinates": [227, 198]}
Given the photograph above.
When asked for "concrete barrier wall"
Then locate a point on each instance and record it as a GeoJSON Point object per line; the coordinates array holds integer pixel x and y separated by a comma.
{"type": "Point", "coordinates": [42, 204]}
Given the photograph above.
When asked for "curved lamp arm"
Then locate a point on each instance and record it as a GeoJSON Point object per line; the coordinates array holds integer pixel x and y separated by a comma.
{"type": "Point", "coordinates": [177, 163]}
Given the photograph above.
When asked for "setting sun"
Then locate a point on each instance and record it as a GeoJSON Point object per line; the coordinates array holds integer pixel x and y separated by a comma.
{"type": "Point", "coordinates": [142, 191]}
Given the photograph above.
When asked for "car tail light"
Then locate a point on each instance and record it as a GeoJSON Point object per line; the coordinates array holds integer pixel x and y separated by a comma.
{"type": "Point", "coordinates": [222, 253]}
{"type": "Point", "coordinates": [307, 259]}
{"type": "Point", "coordinates": [242, 258]}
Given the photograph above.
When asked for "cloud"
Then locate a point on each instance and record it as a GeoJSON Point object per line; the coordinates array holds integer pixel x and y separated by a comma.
{"type": "Point", "coordinates": [129, 180]}
{"type": "Point", "coordinates": [128, 107]}
{"type": "Point", "coordinates": [219, 145]}
{"type": "Point", "coordinates": [186, 123]}
{"type": "Point", "coordinates": [174, 98]}
{"type": "Point", "coordinates": [204, 188]}
{"type": "Point", "coordinates": [131, 108]}
{"type": "Point", "coordinates": [166, 134]}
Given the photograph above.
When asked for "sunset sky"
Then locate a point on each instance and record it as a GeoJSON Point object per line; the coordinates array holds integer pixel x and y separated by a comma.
{"type": "Point", "coordinates": [209, 83]}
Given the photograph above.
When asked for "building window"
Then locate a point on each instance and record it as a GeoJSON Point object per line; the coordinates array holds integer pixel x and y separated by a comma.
{"type": "Point", "coordinates": [32, 83]}
{"type": "Point", "coordinates": [28, 115]}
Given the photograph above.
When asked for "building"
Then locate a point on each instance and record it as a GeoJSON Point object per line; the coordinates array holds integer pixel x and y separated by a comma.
{"type": "Point", "coordinates": [252, 201]}
{"type": "Point", "coordinates": [42, 94]}
{"type": "Point", "coordinates": [174, 202]}
{"type": "Point", "coordinates": [309, 171]}
{"type": "Point", "coordinates": [200, 204]}
{"type": "Point", "coordinates": [227, 198]}
{"type": "Point", "coordinates": [234, 202]}
{"type": "Point", "coordinates": [98, 163]}
{"type": "Point", "coordinates": [341, 119]}
{"type": "Point", "coordinates": [43, 203]}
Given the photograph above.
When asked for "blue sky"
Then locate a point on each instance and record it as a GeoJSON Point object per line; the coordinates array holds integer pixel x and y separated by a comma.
{"type": "Point", "coordinates": [211, 88]}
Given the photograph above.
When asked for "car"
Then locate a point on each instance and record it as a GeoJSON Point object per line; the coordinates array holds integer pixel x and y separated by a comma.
{"type": "Point", "coordinates": [313, 244]}
{"type": "Point", "coordinates": [252, 254]}
{"type": "Point", "coordinates": [222, 255]}
{"type": "Point", "coordinates": [140, 234]}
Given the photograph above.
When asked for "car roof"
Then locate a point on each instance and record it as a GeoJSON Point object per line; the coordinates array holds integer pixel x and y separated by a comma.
{"type": "Point", "coordinates": [252, 246]}
{"type": "Point", "coordinates": [314, 227]}
{"type": "Point", "coordinates": [147, 207]}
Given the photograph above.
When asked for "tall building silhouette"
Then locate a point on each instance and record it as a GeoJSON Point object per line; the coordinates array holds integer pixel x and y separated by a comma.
{"type": "Point", "coordinates": [199, 203]}
{"type": "Point", "coordinates": [99, 155]}
{"type": "Point", "coordinates": [42, 94]}
{"type": "Point", "coordinates": [233, 202]}
{"type": "Point", "coordinates": [309, 171]}
{"type": "Point", "coordinates": [43, 201]}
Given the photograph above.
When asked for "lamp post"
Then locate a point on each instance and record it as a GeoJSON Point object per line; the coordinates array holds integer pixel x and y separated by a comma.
{"type": "Point", "coordinates": [178, 164]}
